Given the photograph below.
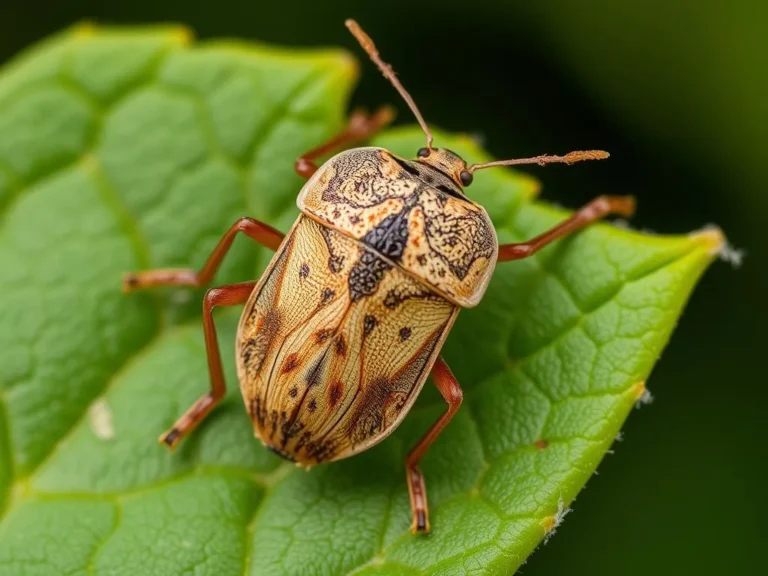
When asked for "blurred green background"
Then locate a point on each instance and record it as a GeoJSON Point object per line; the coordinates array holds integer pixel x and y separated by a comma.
{"type": "Point", "coordinates": [678, 93]}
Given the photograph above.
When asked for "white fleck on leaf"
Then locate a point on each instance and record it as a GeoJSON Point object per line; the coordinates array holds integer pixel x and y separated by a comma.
{"type": "Point", "coordinates": [100, 419]}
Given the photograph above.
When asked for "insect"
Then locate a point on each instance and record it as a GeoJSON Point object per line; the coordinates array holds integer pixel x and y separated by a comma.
{"type": "Point", "coordinates": [338, 337]}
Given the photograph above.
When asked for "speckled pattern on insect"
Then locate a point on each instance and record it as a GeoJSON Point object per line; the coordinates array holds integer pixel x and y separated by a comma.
{"type": "Point", "coordinates": [339, 335]}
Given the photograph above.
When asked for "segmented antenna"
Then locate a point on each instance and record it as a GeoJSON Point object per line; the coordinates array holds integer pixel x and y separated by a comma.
{"type": "Point", "coordinates": [569, 158]}
{"type": "Point", "coordinates": [367, 44]}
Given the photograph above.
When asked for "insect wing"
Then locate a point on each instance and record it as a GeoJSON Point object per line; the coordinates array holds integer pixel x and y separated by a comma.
{"type": "Point", "coordinates": [334, 345]}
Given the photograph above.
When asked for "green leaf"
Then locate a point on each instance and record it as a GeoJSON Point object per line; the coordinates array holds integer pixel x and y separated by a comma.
{"type": "Point", "coordinates": [129, 149]}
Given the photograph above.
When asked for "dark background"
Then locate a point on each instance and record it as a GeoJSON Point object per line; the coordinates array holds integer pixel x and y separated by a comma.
{"type": "Point", "coordinates": [678, 93]}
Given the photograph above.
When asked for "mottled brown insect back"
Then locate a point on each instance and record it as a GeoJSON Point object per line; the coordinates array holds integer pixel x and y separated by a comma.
{"type": "Point", "coordinates": [411, 215]}
{"type": "Point", "coordinates": [342, 330]}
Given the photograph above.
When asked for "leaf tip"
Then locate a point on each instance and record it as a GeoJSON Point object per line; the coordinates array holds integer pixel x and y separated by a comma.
{"type": "Point", "coordinates": [710, 237]}
{"type": "Point", "coordinates": [713, 240]}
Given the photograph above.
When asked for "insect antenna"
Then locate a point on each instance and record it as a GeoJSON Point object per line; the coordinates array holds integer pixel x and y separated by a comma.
{"type": "Point", "coordinates": [544, 159]}
{"type": "Point", "coordinates": [367, 44]}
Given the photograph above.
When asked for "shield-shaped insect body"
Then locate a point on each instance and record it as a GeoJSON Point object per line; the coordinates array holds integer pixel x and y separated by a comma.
{"type": "Point", "coordinates": [340, 333]}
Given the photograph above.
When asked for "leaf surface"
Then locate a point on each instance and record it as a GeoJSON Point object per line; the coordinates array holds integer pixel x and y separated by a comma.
{"type": "Point", "coordinates": [131, 149]}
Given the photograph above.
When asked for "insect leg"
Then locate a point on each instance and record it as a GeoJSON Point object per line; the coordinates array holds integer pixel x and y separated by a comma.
{"type": "Point", "coordinates": [361, 126]}
{"type": "Point", "coordinates": [221, 296]}
{"type": "Point", "coordinates": [449, 387]}
{"type": "Point", "coordinates": [258, 231]}
{"type": "Point", "coordinates": [599, 207]}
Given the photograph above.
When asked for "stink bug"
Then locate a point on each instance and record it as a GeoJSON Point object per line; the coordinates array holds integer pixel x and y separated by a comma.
{"type": "Point", "coordinates": [340, 333]}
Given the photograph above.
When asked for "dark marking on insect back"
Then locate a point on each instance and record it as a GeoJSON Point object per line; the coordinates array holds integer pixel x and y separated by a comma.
{"type": "Point", "coordinates": [335, 263]}
{"type": "Point", "coordinates": [312, 406]}
{"type": "Point", "coordinates": [369, 418]}
{"type": "Point", "coordinates": [313, 376]}
{"type": "Point", "coordinates": [367, 426]}
{"type": "Point", "coordinates": [390, 236]}
{"type": "Point", "coordinates": [336, 390]}
{"type": "Point", "coordinates": [341, 345]}
{"type": "Point", "coordinates": [320, 451]}
{"type": "Point", "coordinates": [290, 428]}
{"type": "Point", "coordinates": [304, 270]}
{"type": "Point", "coordinates": [293, 392]}
{"type": "Point", "coordinates": [291, 363]}
{"type": "Point", "coordinates": [335, 259]}
{"type": "Point", "coordinates": [258, 413]}
{"type": "Point", "coordinates": [392, 299]}
{"type": "Point", "coordinates": [323, 335]}
{"type": "Point", "coordinates": [366, 274]}
{"type": "Point", "coordinates": [369, 323]}
{"type": "Point", "coordinates": [397, 296]}
{"type": "Point", "coordinates": [328, 294]}
{"type": "Point", "coordinates": [303, 439]}
{"type": "Point", "coordinates": [264, 329]}
{"type": "Point", "coordinates": [405, 333]}
{"type": "Point", "coordinates": [249, 347]}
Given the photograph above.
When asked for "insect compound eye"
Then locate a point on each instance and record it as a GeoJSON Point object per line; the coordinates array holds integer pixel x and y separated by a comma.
{"type": "Point", "coordinates": [423, 152]}
{"type": "Point", "coordinates": [466, 178]}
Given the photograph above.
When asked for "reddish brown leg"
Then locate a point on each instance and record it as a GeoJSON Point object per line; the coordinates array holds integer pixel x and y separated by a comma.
{"type": "Point", "coordinates": [598, 208]}
{"type": "Point", "coordinates": [361, 126]}
{"type": "Point", "coordinates": [449, 387]}
{"type": "Point", "coordinates": [258, 231]}
{"type": "Point", "coordinates": [222, 296]}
